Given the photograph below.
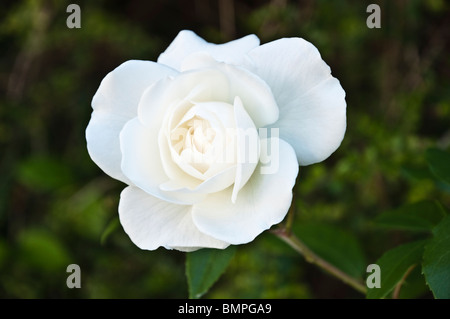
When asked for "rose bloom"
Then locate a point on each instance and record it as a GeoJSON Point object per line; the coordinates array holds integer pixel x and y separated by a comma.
{"type": "Point", "coordinates": [210, 137]}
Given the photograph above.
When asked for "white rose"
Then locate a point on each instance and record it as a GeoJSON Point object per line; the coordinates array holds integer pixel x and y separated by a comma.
{"type": "Point", "coordinates": [209, 138]}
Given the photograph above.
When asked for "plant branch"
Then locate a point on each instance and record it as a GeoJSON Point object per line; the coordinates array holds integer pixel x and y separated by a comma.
{"type": "Point", "coordinates": [290, 219]}
{"type": "Point", "coordinates": [396, 292]}
{"type": "Point", "coordinates": [311, 257]}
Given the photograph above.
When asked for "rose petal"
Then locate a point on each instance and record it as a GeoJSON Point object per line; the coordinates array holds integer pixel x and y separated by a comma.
{"type": "Point", "coordinates": [311, 101]}
{"type": "Point", "coordinates": [102, 135]}
{"type": "Point", "coordinates": [256, 95]}
{"type": "Point", "coordinates": [141, 162]}
{"type": "Point", "coordinates": [172, 170]}
{"type": "Point", "coordinates": [187, 42]}
{"type": "Point", "coordinates": [247, 147]}
{"type": "Point", "coordinates": [114, 103]}
{"type": "Point", "coordinates": [152, 223]}
{"type": "Point", "coordinates": [158, 101]}
{"type": "Point", "coordinates": [262, 202]}
{"type": "Point", "coordinates": [323, 124]}
{"type": "Point", "coordinates": [221, 117]}
{"type": "Point", "coordinates": [213, 184]}
{"type": "Point", "coordinates": [198, 162]}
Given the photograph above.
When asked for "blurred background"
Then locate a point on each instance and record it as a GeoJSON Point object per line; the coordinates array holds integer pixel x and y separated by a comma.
{"type": "Point", "coordinates": [57, 207]}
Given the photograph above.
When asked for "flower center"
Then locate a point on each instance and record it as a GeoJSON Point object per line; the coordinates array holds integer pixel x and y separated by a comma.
{"type": "Point", "coordinates": [193, 139]}
{"type": "Point", "coordinates": [200, 135]}
{"type": "Point", "coordinates": [200, 140]}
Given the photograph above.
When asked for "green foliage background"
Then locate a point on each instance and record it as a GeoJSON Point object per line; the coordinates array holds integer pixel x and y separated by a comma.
{"type": "Point", "coordinates": [58, 208]}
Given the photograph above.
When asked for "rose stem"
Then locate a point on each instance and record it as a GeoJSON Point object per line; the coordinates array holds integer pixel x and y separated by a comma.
{"type": "Point", "coordinates": [290, 219]}
{"type": "Point", "coordinates": [396, 292]}
{"type": "Point", "coordinates": [311, 257]}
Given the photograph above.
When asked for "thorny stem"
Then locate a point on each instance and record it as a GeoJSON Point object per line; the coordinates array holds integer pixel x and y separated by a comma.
{"type": "Point", "coordinates": [311, 257]}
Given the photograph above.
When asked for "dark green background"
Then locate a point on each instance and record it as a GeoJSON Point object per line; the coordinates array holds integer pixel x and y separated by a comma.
{"type": "Point", "coordinates": [57, 207]}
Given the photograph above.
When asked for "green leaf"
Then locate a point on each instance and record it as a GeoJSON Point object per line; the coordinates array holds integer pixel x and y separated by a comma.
{"type": "Point", "coordinates": [414, 286]}
{"type": "Point", "coordinates": [43, 173]}
{"type": "Point", "coordinates": [394, 264]}
{"type": "Point", "coordinates": [436, 260]}
{"type": "Point", "coordinates": [41, 250]}
{"type": "Point", "coordinates": [417, 173]}
{"type": "Point", "coordinates": [204, 267]}
{"type": "Point", "coordinates": [420, 216]}
{"type": "Point", "coordinates": [438, 161]}
{"type": "Point", "coordinates": [335, 245]}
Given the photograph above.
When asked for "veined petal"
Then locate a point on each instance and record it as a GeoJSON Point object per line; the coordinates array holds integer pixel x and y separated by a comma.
{"type": "Point", "coordinates": [315, 124]}
{"type": "Point", "coordinates": [187, 42]}
{"type": "Point", "coordinates": [262, 202]}
{"type": "Point", "coordinates": [311, 101]}
{"type": "Point", "coordinates": [151, 223]}
{"type": "Point", "coordinates": [114, 103]}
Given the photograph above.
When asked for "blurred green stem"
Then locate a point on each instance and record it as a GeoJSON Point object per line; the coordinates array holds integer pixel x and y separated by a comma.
{"type": "Point", "coordinates": [311, 257]}
{"type": "Point", "coordinates": [290, 219]}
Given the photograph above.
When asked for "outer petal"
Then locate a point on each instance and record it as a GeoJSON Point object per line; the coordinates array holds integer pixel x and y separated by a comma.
{"type": "Point", "coordinates": [141, 162]}
{"type": "Point", "coordinates": [187, 42]}
{"type": "Point", "coordinates": [311, 101]}
{"type": "Point", "coordinates": [151, 223]}
{"type": "Point", "coordinates": [262, 202]}
{"type": "Point", "coordinates": [102, 135]}
{"type": "Point", "coordinates": [114, 103]}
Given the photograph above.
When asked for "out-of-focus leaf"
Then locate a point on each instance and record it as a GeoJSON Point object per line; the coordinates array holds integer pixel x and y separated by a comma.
{"type": "Point", "coordinates": [439, 163]}
{"type": "Point", "coordinates": [44, 173]}
{"type": "Point", "coordinates": [85, 212]}
{"type": "Point", "coordinates": [335, 245]}
{"type": "Point", "coordinates": [420, 216]}
{"type": "Point", "coordinates": [112, 226]}
{"type": "Point", "coordinates": [417, 173]}
{"type": "Point", "coordinates": [43, 251]}
{"type": "Point", "coordinates": [204, 267]}
{"type": "Point", "coordinates": [393, 266]}
{"type": "Point", "coordinates": [436, 260]}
